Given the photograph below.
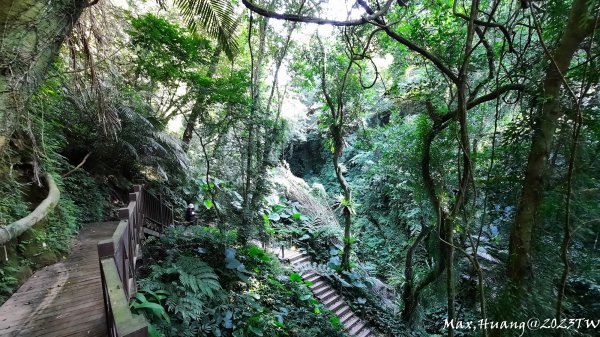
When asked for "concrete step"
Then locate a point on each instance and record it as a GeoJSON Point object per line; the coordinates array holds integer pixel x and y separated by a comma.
{"type": "Point", "coordinates": [356, 328]}
{"type": "Point", "coordinates": [323, 291]}
{"type": "Point", "coordinates": [302, 260]}
{"type": "Point", "coordinates": [308, 274]}
{"type": "Point", "coordinates": [366, 332]}
{"type": "Point", "coordinates": [337, 305]}
{"type": "Point", "coordinates": [318, 284]}
{"type": "Point", "coordinates": [295, 257]}
{"type": "Point", "coordinates": [331, 300]}
{"type": "Point", "coordinates": [342, 311]}
{"type": "Point", "coordinates": [313, 278]}
{"type": "Point", "coordinates": [291, 254]}
{"type": "Point", "coordinates": [354, 324]}
{"type": "Point", "coordinates": [345, 317]}
{"type": "Point", "coordinates": [327, 295]}
{"type": "Point", "coordinates": [350, 323]}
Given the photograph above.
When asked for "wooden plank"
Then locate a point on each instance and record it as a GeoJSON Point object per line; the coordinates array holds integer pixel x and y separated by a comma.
{"type": "Point", "coordinates": [62, 299]}
{"type": "Point", "coordinates": [66, 307]}
{"type": "Point", "coordinates": [88, 275]}
{"type": "Point", "coordinates": [82, 291]}
{"type": "Point", "coordinates": [98, 331]}
{"type": "Point", "coordinates": [65, 326]}
{"type": "Point", "coordinates": [66, 298]}
{"type": "Point", "coordinates": [118, 234]}
{"type": "Point", "coordinates": [151, 232]}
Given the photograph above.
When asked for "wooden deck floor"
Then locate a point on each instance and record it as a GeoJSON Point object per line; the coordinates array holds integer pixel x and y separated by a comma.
{"type": "Point", "coordinates": [64, 299]}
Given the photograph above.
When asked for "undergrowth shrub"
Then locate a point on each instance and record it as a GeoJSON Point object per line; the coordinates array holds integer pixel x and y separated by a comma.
{"type": "Point", "coordinates": [12, 205]}
{"type": "Point", "coordinates": [88, 195]}
{"type": "Point", "coordinates": [212, 288]}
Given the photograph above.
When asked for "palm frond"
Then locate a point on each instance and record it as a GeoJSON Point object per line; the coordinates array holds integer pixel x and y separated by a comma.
{"type": "Point", "coordinates": [215, 17]}
{"type": "Point", "coordinates": [130, 148]}
{"type": "Point", "coordinates": [152, 146]}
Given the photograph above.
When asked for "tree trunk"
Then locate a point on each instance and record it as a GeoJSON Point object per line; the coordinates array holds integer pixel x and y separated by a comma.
{"type": "Point", "coordinates": [190, 126]}
{"type": "Point", "coordinates": [253, 140]}
{"type": "Point", "coordinates": [346, 211]}
{"type": "Point", "coordinates": [409, 298]}
{"type": "Point", "coordinates": [411, 292]}
{"type": "Point", "coordinates": [274, 131]}
{"type": "Point", "coordinates": [199, 105]}
{"type": "Point", "coordinates": [519, 260]}
{"type": "Point", "coordinates": [32, 32]}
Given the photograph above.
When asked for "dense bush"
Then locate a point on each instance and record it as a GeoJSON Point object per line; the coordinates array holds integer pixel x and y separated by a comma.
{"type": "Point", "coordinates": [208, 288]}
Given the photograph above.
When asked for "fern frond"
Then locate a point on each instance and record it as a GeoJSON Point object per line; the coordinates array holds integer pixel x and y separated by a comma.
{"type": "Point", "coordinates": [197, 276]}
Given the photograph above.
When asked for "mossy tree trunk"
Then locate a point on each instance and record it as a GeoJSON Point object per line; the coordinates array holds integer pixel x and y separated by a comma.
{"type": "Point", "coordinates": [519, 261]}
{"type": "Point", "coordinates": [13, 230]}
{"type": "Point", "coordinates": [32, 33]}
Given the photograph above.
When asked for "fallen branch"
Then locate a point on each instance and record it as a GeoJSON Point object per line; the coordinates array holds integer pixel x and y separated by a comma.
{"type": "Point", "coordinates": [78, 166]}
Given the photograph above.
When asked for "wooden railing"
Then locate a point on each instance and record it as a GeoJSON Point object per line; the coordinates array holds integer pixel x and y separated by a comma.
{"type": "Point", "coordinates": [157, 214]}
{"type": "Point", "coordinates": [118, 257]}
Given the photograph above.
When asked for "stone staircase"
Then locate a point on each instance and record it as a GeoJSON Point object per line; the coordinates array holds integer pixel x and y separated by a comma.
{"type": "Point", "coordinates": [322, 290]}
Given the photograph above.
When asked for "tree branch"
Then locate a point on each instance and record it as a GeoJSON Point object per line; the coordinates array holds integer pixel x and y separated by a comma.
{"type": "Point", "coordinates": [495, 94]}
{"type": "Point", "coordinates": [490, 58]}
{"type": "Point", "coordinates": [323, 85]}
{"type": "Point", "coordinates": [503, 29]}
{"type": "Point", "coordinates": [300, 18]}
{"type": "Point", "coordinates": [371, 14]}
{"type": "Point", "coordinates": [78, 166]}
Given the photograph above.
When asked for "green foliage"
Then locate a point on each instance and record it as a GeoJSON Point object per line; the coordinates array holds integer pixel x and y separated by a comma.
{"type": "Point", "coordinates": [89, 196]}
{"type": "Point", "coordinates": [264, 303]}
{"type": "Point", "coordinates": [165, 51]}
{"type": "Point", "coordinates": [152, 306]}
{"type": "Point", "coordinates": [63, 224]}
{"type": "Point", "coordinates": [12, 206]}
{"type": "Point", "coordinates": [192, 286]}
{"type": "Point", "coordinates": [156, 154]}
{"type": "Point", "coordinates": [8, 280]}
{"type": "Point", "coordinates": [200, 282]}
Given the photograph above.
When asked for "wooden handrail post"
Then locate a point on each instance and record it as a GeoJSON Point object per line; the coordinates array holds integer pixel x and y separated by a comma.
{"type": "Point", "coordinates": [106, 248]}
{"type": "Point", "coordinates": [123, 213]}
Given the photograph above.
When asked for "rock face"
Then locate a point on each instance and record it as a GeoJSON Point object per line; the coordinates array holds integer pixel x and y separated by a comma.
{"type": "Point", "coordinates": [306, 157]}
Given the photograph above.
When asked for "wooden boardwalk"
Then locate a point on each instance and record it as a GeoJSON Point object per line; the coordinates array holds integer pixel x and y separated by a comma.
{"type": "Point", "coordinates": [64, 299]}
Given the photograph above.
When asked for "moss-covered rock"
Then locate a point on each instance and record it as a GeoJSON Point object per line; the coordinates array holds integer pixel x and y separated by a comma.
{"type": "Point", "coordinates": [45, 258]}
{"type": "Point", "coordinates": [23, 273]}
